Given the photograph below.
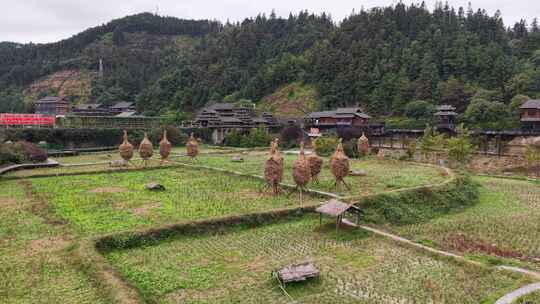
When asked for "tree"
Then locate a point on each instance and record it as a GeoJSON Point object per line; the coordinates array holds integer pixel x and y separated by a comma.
{"type": "Point", "coordinates": [420, 109]}
{"type": "Point", "coordinates": [460, 147]}
{"type": "Point", "coordinates": [118, 37]}
{"type": "Point", "coordinates": [430, 142]}
{"type": "Point", "coordinates": [484, 114]}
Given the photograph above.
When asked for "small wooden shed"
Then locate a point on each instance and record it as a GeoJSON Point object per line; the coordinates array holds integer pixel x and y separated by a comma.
{"type": "Point", "coordinates": [337, 209]}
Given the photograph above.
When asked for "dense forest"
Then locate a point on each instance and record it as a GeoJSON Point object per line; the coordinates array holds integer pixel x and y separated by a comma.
{"type": "Point", "coordinates": [397, 61]}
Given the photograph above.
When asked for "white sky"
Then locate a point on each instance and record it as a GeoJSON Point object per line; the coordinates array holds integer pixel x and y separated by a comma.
{"type": "Point", "coordinates": [42, 21]}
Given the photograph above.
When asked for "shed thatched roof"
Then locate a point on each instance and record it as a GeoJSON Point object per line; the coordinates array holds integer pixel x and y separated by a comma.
{"type": "Point", "coordinates": [297, 272]}
{"type": "Point", "coordinates": [333, 208]}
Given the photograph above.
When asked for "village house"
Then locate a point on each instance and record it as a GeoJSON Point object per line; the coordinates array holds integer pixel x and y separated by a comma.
{"type": "Point", "coordinates": [342, 117]}
{"type": "Point", "coordinates": [51, 105]}
{"type": "Point", "coordinates": [223, 118]}
{"type": "Point", "coordinates": [530, 115]}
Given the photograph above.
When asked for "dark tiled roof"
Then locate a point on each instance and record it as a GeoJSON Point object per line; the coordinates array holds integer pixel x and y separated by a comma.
{"type": "Point", "coordinates": [446, 108]}
{"type": "Point", "coordinates": [88, 106]}
{"type": "Point", "coordinates": [340, 113]}
{"type": "Point", "coordinates": [221, 106]}
{"type": "Point", "coordinates": [531, 104]}
{"type": "Point", "coordinates": [50, 99]}
{"type": "Point", "coordinates": [122, 105]}
{"type": "Point", "coordinates": [446, 113]}
{"type": "Point", "coordinates": [348, 110]}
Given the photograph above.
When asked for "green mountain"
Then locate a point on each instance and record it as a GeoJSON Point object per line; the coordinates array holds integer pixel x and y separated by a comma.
{"type": "Point", "coordinates": [382, 59]}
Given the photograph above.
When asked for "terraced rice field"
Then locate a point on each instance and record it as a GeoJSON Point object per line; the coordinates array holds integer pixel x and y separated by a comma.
{"type": "Point", "coordinates": [503, 227]}
{"type": "Point", "coordinates": [35, 266]}
{"type": "Point", "coordinates": [381, 175]}
{"type": "Point", "coordinates": [356, 267]}
{"type": "Point", "coordinates": [105, 203]}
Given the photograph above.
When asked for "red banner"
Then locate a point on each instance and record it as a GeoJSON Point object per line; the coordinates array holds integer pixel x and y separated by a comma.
{"type": "Point", "coordinates": [8, 119]}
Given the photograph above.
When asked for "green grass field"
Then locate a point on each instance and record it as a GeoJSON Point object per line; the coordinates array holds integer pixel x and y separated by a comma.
{"type": "Point", "coordinates": [356, 267]}
{"type": "Point", "coordinates": [35, 266]}
{"type": "Point", "coordinates": [104, 203]}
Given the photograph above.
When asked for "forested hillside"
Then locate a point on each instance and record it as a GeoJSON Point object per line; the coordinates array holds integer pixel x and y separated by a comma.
{"type": "Point", "coordinates": [393, 61]}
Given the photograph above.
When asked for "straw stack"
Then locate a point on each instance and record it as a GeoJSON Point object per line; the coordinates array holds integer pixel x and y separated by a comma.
{"type": "Point", "coordinates": [146, 150]}
{"type": "Point", "coordinates": [273, 168]}
{"type": "Point", "coordinates": [126, 148]}
{"type": "Point", "coordinates": [301, 171]}
{"type": "Point", "coordinates": [339, 165]}
{"type": "Point", "coordinates": [192, 146]}
{"type": "Point", "coordinates": [315, 163]}
{"type": "Point", "coordinates": [164, 147]}
{"type": "Point", "coordinates": [363, 145]}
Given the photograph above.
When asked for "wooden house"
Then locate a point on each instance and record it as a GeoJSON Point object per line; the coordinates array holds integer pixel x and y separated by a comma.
{"type": "Point", "coordinates": [51, 105]}
{"type": "Point", "coordinates": [342, 117]}
{"type": "Point", "coordinates": [530, 115]}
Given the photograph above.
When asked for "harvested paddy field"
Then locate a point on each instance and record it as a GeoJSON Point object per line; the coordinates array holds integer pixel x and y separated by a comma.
{"type": "Point", "coordinates": [503, 227]}
{"type": "Point", "coordinates": [45, 220]}
{"type": "Point", "coordinates": [356, 267]}
{"type": "Point", "coordinates": [379, 176]}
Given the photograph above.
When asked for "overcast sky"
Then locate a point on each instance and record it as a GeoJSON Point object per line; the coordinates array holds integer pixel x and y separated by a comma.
{"type": "Point", "coordinates": [42, 21]}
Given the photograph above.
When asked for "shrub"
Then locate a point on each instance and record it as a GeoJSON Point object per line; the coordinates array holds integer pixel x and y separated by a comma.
{"type": "Point", "coordinates": [8, 155]}
{"type": "Point", "coordinates": [174, 135]}
{"type": "Point", "coordinates": [325, 145]}
{"type": "Point", "coordinates": [233, 139]}
{"type": "Point", "coordinates": [21, 152]}
{"type": "Point", "coordinates": [410, 148]}
{"type": "Point", "coordinates": [31, 152]}
{"type": "Point", "coordinates": [351, 149]}
{"type": "Point", "coordinates": [290, 137]}
{"type": "Point", "coordinates": [255, 138]}
{"type": "Point", "coordinates": [460, 147]}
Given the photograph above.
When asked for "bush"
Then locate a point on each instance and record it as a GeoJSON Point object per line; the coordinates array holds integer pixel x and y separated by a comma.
{"type": "Point", "coordinates": [351, 148]}
{"type": "Point", "coordinates": [21, 152]}
{"type": "Point", "coordinates": [174, 135]}
{"type": "Point", "coordinates": [8, 155]}
{"type": "Point", "coordinates": [326, 145]}
{"type": "Point", "coordinates": [233, 139]}
{"type": "Point", "coordinates": [255, 138]}
{"type": "Point", "coordinates": [419, 109]}
{"type": "Point", "coordinates": [290, 137]}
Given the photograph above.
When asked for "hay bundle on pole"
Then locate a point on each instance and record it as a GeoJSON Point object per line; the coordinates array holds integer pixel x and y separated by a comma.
{"type": "Point", "coordinates": [363, 145]}
{"type": "Point", "coordinates": [192, 146]}
{"type": "Point", "coordinates": [164, 147]}
{"type": "Point", "coordinates": [126, 148]}
{"type": "Point", "coordinates": [301, 171]}
{"type": "Point", "coordinates": [339, 165]}
{"type": "Point", "coordinates": [146, 150]}
{"type": "Point", "coordinates": [273, 168]}
{"type": "Point", "coordinates": [315, 163]}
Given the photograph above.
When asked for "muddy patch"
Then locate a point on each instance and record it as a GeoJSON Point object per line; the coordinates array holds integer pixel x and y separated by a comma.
{"type": "Point", "coordinates": [461, 243]}
{"type": "Point", "coordinates": [46, 245]}
{"type": "Point", "coordinates": [108, 190]}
